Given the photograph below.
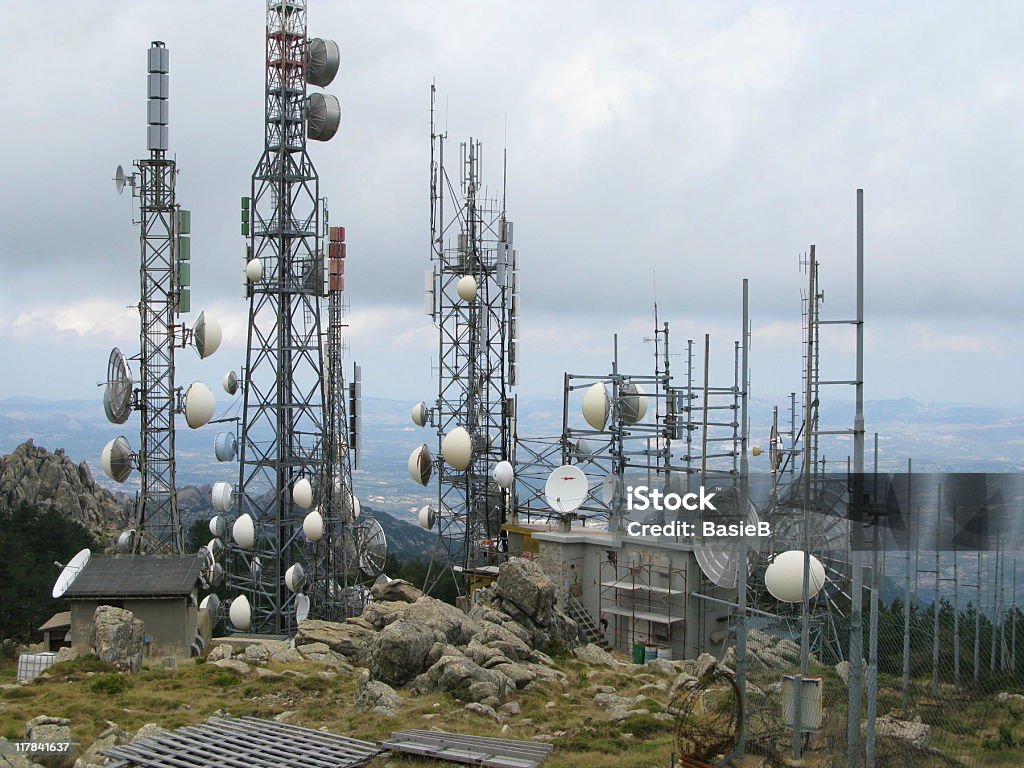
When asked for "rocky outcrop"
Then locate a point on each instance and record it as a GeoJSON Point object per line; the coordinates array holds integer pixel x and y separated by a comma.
{"type": "Point", "coordinates": [394, 591]}
{"type": "Point", "coordinates": [524, 595]}
{"type": "Point", "coordinates": [913, 731]}
{"type": "Point", "coordinates": [594, 654]}
{"type": "Point", "coordinates": [116, 637]}
{"type": "Point", "coordinates": [348, 638]}
{"type": "Point", "coordinates": [51, 481]}
{"type": "Point", "coordinates": [462, 676]}
{"type": "Point", "coordinates": [398, 652]}
{"type": "Point", "coordinates": [51, 730]}
{"type": "Point", "coordinates": [376, 697]}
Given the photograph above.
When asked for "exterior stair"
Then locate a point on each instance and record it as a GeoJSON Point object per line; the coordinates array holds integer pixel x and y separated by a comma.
{"type": "Point", "coordinates": [589, 632]}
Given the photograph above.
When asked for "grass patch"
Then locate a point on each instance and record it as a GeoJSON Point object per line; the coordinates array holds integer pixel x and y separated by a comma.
{"type": "Point", "coordinates": [110, 685]}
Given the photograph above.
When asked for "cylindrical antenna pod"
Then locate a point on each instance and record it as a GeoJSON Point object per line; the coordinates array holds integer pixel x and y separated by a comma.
{"type": "Point", "coordinates": [324, 61]}
{"type": "Point", "coordinates": [323, 116]}
{"type": "Point", "coordinates": [158, 65]}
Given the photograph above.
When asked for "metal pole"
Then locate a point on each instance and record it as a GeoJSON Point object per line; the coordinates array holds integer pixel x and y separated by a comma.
{"type": "Point", "coordinates": [905, 699]}
{"type": "Point", "coordinates": [956, 611]}
{"type": "Point", "coordinates": [741, 619]}
{"type": "Point", "coordinates": [808, 468]}
{"type": "Point", "coordinates": [977, 623]}
{"type": "Point", "coordinates": [869, 746]}
{"type": "Point", "coordinates": [937, 604]}
{"type": "Point", "coordinates": [857, 597]}
{"type": "Point", "coordinates": [995, 610]}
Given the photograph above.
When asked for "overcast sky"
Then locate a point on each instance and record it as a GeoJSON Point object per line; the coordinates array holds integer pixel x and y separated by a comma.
{"type": "Point", "coordinates": [655, 150]}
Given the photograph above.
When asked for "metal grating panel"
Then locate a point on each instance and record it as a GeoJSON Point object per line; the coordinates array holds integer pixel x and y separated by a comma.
{"type": "Point", "coordinates": [473, 750]}
{"type": "Point", "coordinates": [244, 742]}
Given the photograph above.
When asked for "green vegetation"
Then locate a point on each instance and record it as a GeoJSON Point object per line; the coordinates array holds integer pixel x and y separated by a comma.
{"type": "Point", "coordinates": [30, 542]}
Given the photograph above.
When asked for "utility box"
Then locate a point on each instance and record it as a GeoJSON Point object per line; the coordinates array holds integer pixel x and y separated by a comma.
{"type": "Point", "coordinates": [809, 688]}
{"type": "Point", "coordinates": [32, 665]}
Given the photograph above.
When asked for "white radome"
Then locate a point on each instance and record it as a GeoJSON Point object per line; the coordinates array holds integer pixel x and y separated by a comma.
{"type": "Point", "coordinates": [302, 493]}
{"type": "Point", "coordinates": [254, 270]}
{"type": "Point", "coordinates": [240, 613]}
{"type": "Point", "coordinates": [244, 531]}
{"type": "Point", "coordinates": [457, 448]}
{"type": "Point", "coordinates": [504, 474]}
{"type": "Point", "coordinates": [784, 577]}
{"type": "Point", "coordinates": [222, 495]}
{"type": "Point", "coordinates": [421, 465]}
{"type": "Point", "coordinates": [230, 382]}
{"type": "Point", "coordinates": [313, 525]}
{"type": "Point", "coordinates": [199, 404]}
{"type": "Point", "coordinates": [426, 517]}
{"type": "Point", "coordinates": [208, 335]}
{"type": "Point", "coordinates": [595, 406]}
{"type": "Point", "coordinates": [466, 288]}
{"type": "Point", "coordinates": [419, 414]}
{"type": "Point", "coordinates": [294, 577]}
{"type": "Point", "coordinates": [633, 402]}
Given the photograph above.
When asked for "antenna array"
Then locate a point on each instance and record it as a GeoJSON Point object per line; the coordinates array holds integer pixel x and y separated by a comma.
{"type": "Point", "coordinates": [164, 281]}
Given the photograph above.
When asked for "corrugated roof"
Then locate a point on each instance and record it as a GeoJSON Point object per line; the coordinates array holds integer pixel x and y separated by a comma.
{"type": "Point", "coordinates": [57, 621]}
{"type": "Point", "coordinates": [140, 576]}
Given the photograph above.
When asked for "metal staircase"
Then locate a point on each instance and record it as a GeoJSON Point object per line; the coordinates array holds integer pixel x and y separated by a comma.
{"type": "Point", "coordinates": [588, 630]}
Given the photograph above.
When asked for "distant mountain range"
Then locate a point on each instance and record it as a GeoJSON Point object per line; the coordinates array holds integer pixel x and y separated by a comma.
{"type": "Point", "coordinates": [939, 437]}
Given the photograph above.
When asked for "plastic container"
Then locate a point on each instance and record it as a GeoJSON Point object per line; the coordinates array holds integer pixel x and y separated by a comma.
{"type": "Point", "coordinates": [665, 653]}
{"type": "Point", "coordinates": [650, 653]}
{"type": "Point", "coordinates": [638, 653]}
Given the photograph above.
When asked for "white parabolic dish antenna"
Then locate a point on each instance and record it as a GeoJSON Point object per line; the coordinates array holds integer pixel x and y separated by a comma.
{"type": "Point", "coordinates": [419, 414]}
{"type": "Point", "coordinates": [426, 517]}
{"type": "Point", "coordinates": [457, 448]}
{"type": "Point", "coordinates": [117, 396]}
{"type": "Point", "coordinates": [504, 474]}
{"type": "Point", "coordinates": [223, 496]}
{"type": "Point", "coordinates": [207, 335]}
{"type": "Point", "coordinates": [595, 406]}
{"type": "Point", "coordinates": [302, 493]}
{"type": "Point", "coordinates": [421, 465]}
{"type": "Point", "coordinates": [632, 402]}
{"type": "Point", "coordinates": [611, 487]}
{"type": "Point", "coordinates": [117, 459]}
{"type": "Point", "coordinates": [70, 572]}
{"type": "Point", "coordinates": [230, 382]}
{"type": "Point", "coordinates": [719, 556]}
{"type": "Point", "coordinates": [120, 179]}
{"type": "Point", "coordinates": [313, 525]}
{"type": "Point", "coordinates": [566, 489]}
{"type": "Point", "coordinates": [199, 404]}
{"type": "Point", "coordinates": [240, 613]}
{"type": "Point", "coordinates": [301, 608]}
{"type": "Point", "coordinates": [784, 578]}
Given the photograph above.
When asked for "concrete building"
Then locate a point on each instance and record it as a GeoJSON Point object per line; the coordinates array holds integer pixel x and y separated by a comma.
{"type": "Point", "coordinates": [638, 592]}
{"type": "Point", "coordinates": [162, 591]}
{"type": "Point", "coordinates": [57, 631]}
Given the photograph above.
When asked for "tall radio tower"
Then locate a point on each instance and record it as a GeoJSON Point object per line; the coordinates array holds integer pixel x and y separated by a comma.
{"type": "Point", "coordinates": [164, 279]}
{"type": "Point", "coordinates": [471, 294]}
{"type": "Point", "coordinates": [284, 550]}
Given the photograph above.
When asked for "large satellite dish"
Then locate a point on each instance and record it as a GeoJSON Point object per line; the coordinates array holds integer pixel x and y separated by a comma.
{"type": "Point", "coordinates": [632, 402]}
{"type": "Point", "coordinates": [301, 608]}
{"type": "Point", "coordinates": [70, 572]}
{"type": "Point", "coordinates": [324, 59]}
{"type": "Point", "coordinates": [421, 465]}
{"type": "Point", "coordinates": [117, 459]}
{"type": "Point", "coordinates": [566, 489]}
{"type": "Point", "coordinates": [719, 556]}
{"type": "Point", "coordinates": [117, 396]}
{"type": "Point", "coordinates": [207, 335]}
{"type": "Point", "coordinates": [199, 404]}
{"type": "Point", "coordinates": [323, 116]}
{"type": "Point", "coordinates": [372, 547]}
{"type": "Point", "coordinates": [596, 406]}
{"type": "Point", "coordinates": [457, 448]}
